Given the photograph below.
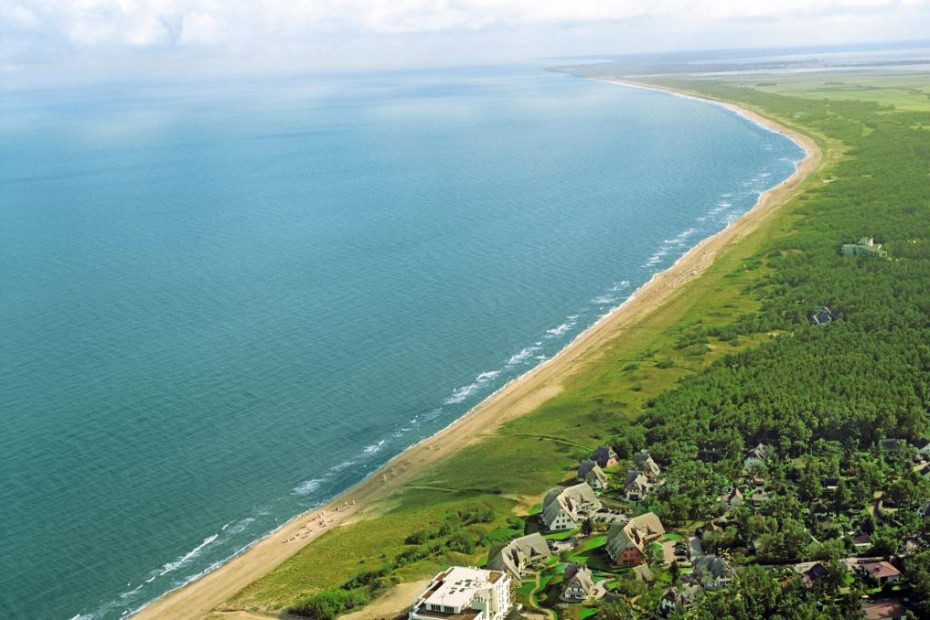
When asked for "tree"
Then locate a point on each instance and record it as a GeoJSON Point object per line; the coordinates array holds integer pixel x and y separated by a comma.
{"type": "Point", "coordinates": [617, 609]}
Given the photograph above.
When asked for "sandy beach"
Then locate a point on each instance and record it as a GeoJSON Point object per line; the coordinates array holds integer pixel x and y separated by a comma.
{"type": "Point", "coordinates": [514, 399]}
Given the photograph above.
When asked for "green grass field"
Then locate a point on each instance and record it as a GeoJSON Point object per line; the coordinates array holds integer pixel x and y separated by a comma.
{"type": "Point", "coordinates": [905, 91]}
{"type": "Point", "coordinates": [518, 463]}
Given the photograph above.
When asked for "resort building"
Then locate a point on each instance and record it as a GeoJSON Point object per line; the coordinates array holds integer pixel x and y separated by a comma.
{"type": "Point", "coordinates": [757, 456]}
{"type": "Point", "coordinates": [713, 572]}
{"type": "Point", "coordinates": [519, 555]}
{"type": "Point", "coordinates": [865, 247]}
{"type": "Point", "coordinates": [644, 463]}
{"type": "Point", "coordinates": [625, 543]}
{"type": "Point", "coordinates": [636, 486]}
{"type": "Point", "coordinates": [461, 593]}
{"type": "Point", "coordinates": [577, 583]}
{"type": "Point", "coordinates": [591, 472]}
{"type": "Point", "coordinates": [565, 509]}
{"type": "Point", "coordinates": [605, 457]}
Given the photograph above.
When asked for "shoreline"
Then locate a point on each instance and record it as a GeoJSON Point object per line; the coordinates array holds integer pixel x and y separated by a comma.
{"type": "Point", "coordinates": [515, 398]}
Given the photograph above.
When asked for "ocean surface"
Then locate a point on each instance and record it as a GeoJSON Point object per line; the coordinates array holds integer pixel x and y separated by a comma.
{"type": "Point", "coordinates": [222, 303]}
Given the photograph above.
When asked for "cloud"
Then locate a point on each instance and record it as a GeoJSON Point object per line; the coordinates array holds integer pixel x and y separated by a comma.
{"type": "Point", "coordinates": [34, 31]}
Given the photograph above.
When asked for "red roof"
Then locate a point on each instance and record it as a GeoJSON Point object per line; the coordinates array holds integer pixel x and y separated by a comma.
{"type": "Point", "coordinates": [881, 570]}
{"type": "Point", "coordinates": [885, 608]}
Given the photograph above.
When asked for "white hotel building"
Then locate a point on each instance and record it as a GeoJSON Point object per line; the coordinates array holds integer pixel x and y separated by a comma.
{"type": "Point", "coordinates": [460, 593]}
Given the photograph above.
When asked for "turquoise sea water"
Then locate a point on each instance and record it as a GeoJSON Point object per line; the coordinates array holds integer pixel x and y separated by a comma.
{"type": "Point", "coordinates": [223, 303]}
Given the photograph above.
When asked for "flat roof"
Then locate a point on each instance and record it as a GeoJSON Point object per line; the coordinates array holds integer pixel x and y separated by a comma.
{"type": "Point", "coordinates": [459, 585]}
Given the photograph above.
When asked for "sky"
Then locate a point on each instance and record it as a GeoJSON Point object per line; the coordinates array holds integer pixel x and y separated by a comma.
{"type": "Point", "coordinates": [67, 38]}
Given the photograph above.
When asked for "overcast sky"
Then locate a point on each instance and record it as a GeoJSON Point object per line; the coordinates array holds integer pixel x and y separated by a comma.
{"type": "Point", "coordinates": [65, 37]}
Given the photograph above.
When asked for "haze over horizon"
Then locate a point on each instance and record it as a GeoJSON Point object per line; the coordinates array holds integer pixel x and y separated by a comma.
{"type": "Point", "coordinates": [49, 41]}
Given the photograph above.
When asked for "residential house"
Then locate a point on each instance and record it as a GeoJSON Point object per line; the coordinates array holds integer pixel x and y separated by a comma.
{"type": "Point", "coordinates": [591, 472]}
{"type": "Point", "coordinates": [636, 486]}
{"type": "Point", "coordinates": [713, 572]}
{"type": "Point", "coordinates": [565, 509]}
{"type": "Point", "coordinates": [464, 593]}
{"type": "Point", "coordinates": [813, 575]}
{"type": "Point", "coordinates": [862, 542]}
{"type": "Point", "coordinates": [865, 247]}
{"type": "Point", "coordinates": [882, 573]}
{"type": "Point", "coordinates": [605, 457]}
{"type": "Point", "coordinates": [644, 463]}
{"type": "Point", "coordinates": [679, 599]}
{"type": "Point", "coordinates": [820, 316]}
{"type": "Point", "coordinates": [758, 455]}
{"type": "Point", "coordinates": [626, 542]}
{"type": "Point", "coordinates": [577, 583]}
{"type": "Point", "coordinates": [884, 609]}
{"type": "Point", "coordinates": [732, 499]}
{"type": "Point", "coordinates": [519, 555]}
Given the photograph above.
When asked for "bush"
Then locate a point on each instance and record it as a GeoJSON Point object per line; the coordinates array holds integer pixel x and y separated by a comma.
{"type": "Point", "coordinates": [477, 513]}
{"type": "Point", "coordinates": [328, 604]}
{"type": "Point", "coordinates": [363, 579]}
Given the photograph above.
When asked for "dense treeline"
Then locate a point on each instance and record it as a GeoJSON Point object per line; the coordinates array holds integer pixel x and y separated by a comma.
{"type": "Point", "coordinates": [823, 396]}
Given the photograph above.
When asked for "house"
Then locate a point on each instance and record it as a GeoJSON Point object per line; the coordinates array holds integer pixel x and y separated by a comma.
{"type": "Point", "coordinates": [758, 455]}
{"type": "Point", "coordinates": [713, 572]}
{"type": "Point", "coordinates": [862, 542]}
{"type": "Point", "coordinates": [884, 609]}
{"type": "Point", "coordinates": [464, 593]}
{"type": "Point", "coordinates": [891, 446]}
{"type": "Point", "coordinates": [733, 499]}
{"type": "Point", "coordinates": [881, 572]}
{"type": "Point", "coordinates": [644, 463]}
{"type": "Point", "coordinates": [865, 247]}
{"type": "Point", "coordinates": [519, 555]}
{"type": "Point", "coordinates": [565, 509]}
{"type": "Point", "coordinates": [813, 575]}
{"type": "Point", "coordinates": [591, 472]}
{"type": "Point", "coordinates": [636, 486]}
{"type": "Point", "coordinates": [625, 542]}
{"type": "Point", "coordinates": [759, 497]}
{"type": "Point", "coordinates": [820, 316]}
{"type": "Point", "coordinates": [605, 457]}
{"type": "Point", "coordinates": [679, 599]}
{"type": "Point", "coordinates": [577, 583]}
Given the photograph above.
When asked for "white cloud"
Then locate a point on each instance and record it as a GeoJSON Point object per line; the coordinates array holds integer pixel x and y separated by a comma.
{"type": "Point", "coordinates": [329, 31]}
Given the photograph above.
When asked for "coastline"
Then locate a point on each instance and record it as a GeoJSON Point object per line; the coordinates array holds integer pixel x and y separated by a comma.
{"type": "Point", "coordinates": [516, 398]}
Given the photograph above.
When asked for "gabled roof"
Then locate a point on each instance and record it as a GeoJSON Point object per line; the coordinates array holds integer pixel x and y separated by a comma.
{"type": "Point", "coordinates": [882, 609]}
{"type": "Point", "coordinates": [862, 539]}
{"type": "Point", "coordinates": [712, 565]}
{"type": "Point", "coordinates": [760, 452]}
{"type": "Point", "coordinates": [880, 570]}
{"type": "Point", "coordinates": [568, 500]}
{"type": "Point", "coordinates": [603, 454]}
{"type": "Point", "coordinates": [577, 576]}
{"type": "Point", "coordinates": [518, 552]}
{"type": "Point", "coordinates": [590, 468]}
{"type": "Point", "coordinates": [643, 461]}
{"type": "Point", "coordinates": [633, 534]}
{"type": "Point", "coordinates": [636, 479]}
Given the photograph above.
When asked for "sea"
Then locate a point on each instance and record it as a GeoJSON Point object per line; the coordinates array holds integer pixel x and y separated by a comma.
{"type": "Point", "coordinates": [224, 301]}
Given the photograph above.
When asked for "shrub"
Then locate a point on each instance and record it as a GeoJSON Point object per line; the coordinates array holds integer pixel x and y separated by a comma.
{"type": "Point", "coordinates": [328, 604]}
